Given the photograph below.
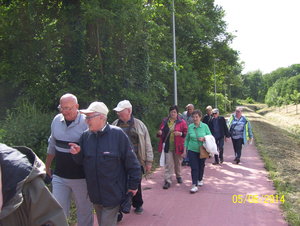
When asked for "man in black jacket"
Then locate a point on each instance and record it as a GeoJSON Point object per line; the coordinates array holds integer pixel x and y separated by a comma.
{"type": "Point", "coordinates": [111, 166]}
{"type": "Point", "coordinates": [218, 129]}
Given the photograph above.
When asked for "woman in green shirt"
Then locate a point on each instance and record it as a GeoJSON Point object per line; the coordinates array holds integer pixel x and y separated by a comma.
{"type": "Point", "coordinates": [192, 145]}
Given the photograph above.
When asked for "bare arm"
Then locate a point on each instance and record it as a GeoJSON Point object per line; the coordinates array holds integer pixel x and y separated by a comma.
{"type": "Point", "coordinates": [48, 164]}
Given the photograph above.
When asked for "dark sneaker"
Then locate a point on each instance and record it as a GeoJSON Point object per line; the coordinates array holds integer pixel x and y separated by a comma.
{"type": "Point", "coordinates": [167, 185]}
{"type": "Point", "coordinates": [237, 160]}
{"type": "Point", "coordinates": [183, 163]}
{"type": "Point", "coordinates": [139, 210]}
{"type": "Point", "coordinates": [215, 163]}
{"type": "Point", "coordinates": [221, 160]}
{"type": "Point", "coordinates": [179, 180]}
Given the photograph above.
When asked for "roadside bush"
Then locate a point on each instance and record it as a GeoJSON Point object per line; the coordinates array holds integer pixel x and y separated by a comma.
{"type": "Point", "coordinates": [249, 100]}
{"type": "Point", "coordinates": [27, 126]}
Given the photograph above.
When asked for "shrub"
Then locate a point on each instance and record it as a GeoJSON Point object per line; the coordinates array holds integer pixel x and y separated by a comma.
{"type": "Point", "coordinates": [27, 126]}
{"type": "Point", "coordinates": [249, 100]}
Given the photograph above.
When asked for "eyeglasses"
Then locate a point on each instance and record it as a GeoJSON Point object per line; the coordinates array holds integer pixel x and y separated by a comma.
{"type": "Point", "coordinates": [65, 109]}
{"type": "Point", "coordinates": [89, 118]}
{"type": "Point", "coordinates": [237, 111]}
{"type": "Point", "coordinates": [214, 113]}
{"type": "Point", "coordinates": [121, 112]}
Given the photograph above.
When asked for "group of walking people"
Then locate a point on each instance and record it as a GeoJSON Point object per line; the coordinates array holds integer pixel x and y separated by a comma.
{"type": "Point", "coordinates": [182, 138]}
{"type": "Point", "coordinates": [102, 164]}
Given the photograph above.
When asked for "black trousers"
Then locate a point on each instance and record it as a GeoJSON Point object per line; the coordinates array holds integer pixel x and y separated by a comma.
{"type": "Point", "coordinates": [137, 200]}
{"type": "Point", "coordinates": [237, 146]}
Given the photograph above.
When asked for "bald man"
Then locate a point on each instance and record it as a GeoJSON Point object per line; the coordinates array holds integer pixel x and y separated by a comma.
{"type": "Point", "coordinates": [67, 127]}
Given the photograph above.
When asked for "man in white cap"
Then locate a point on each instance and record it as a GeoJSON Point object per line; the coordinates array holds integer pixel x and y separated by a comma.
{"type": "Point", "coordinates": [111, 167]}
{"type": "Point", "coordinates": [219, 130]}
{"type": "Point", "coordinates": [139, 136]}
{"type": "Point", "coordinates": [68, 177]}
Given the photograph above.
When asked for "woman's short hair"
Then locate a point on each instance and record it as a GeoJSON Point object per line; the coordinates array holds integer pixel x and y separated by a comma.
{"type": "Point", "coordinates": [174, 107]}
{"type": "Point", "coordinates": [197, 112]}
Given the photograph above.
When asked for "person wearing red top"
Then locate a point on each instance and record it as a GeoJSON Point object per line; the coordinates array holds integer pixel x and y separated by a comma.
{"type": "Point", "coordinates": [174, 144]}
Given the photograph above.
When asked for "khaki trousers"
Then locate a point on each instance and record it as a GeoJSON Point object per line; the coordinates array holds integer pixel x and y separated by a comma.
{"type": "Point", "coordinates": [172, 160]}
{"type": "Point", "coordinates": [107, 216]}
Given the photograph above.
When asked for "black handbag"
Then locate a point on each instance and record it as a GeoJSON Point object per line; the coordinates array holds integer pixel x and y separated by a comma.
{"type": "Point", "coordinates": [126, 204]}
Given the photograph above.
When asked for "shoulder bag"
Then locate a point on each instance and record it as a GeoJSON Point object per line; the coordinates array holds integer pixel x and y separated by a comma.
{"type": "Point", "coordinates": [162, 159]}
{"type": "Point", "coordinates": [203, 153]}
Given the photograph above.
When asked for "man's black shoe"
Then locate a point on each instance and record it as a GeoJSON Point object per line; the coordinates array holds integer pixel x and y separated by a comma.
{"type": "Point", "coordinates": [215, 163]}
{"type": "Point", "coordinates": [179, 180]}
{"type": "Point", "coordinates": [183, 163]}
{"type": "Point", "coordinates": [237, 160]}
{"type": "Point", "coordinates": [167, 185]}
{"type": "Point", "coordinates": [139, 210]}
{"type": "Point", "coordinates": [221, 160]}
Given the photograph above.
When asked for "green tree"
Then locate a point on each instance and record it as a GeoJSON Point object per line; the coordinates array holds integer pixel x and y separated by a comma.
{"type": "Point", "coordinates": [295, 96]}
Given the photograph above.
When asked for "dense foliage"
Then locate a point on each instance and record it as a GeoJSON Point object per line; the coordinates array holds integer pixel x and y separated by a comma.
{"type": "Point", "coordinates": [114, 50]}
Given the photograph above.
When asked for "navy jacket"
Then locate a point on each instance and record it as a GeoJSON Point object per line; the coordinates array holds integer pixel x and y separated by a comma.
{"type": "Point", "coordinates": [222, 125]}
{"type": "Point", "coordinates": [110, 164]}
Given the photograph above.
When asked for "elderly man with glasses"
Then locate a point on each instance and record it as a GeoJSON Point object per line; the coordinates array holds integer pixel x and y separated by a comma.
{"type": "Point", "coordinates": [68, 176]}
{"type": "Point", "coordinates": [219, 130]}
{"type": "Point", "coordinates": [111, 166]}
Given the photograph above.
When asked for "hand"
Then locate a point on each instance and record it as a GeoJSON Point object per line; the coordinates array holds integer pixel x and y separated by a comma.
{"type": "Point", "coordinates": [184, 154]}
{"type": "Point", "coordinates": [133, 191]}
{"type": "Point", "coordinates": [48, 171]}
{"type": "Point", "coordinates": [226, 139]}
{"type": "Point", "coordinates": [250, 141]}
{"type": "Point", "coordinates": [159, 132]}
{"type": "Point", "coordinates": [147, 168]}
{"type": "Point", "coordinates": [75, 149]}
{"type": "Point", "coordinates": [201, 139]}
{"type": "Point", "coordinates": [177, 133]}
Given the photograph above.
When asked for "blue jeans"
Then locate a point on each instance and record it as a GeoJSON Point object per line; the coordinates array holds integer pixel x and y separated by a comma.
{"type": "Point", "coordinates": [237, 146]}
{"type": "Point", "coordinates": [197, 166]}
{"type": "Point", "coordinates": [220, 145]}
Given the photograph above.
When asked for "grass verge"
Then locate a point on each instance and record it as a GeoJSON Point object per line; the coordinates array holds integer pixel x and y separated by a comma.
{"type": "Point", "coordinates": [279, 150]}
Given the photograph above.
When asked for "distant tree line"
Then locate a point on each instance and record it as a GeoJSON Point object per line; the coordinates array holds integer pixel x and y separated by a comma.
{"type": "Point", "coordinates": [280, 87]}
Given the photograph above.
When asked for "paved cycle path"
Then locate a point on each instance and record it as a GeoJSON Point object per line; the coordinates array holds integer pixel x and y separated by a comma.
{"type": "Point", "coordinates": [216, 203]}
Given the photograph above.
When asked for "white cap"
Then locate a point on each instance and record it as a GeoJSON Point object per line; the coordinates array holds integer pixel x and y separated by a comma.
{"type": "Point", "coordinates": [122, 105]}
{"type": "Point", "coordinates": [96, 106]}
{"type": "Point", "coordinates": [215, 110]}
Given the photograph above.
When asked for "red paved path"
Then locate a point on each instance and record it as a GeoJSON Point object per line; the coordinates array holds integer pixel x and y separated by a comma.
{"type": "Point", "coordinates": [213, 203]}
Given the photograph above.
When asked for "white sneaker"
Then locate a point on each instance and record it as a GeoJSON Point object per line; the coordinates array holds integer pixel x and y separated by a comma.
{"type": "Point", "coordinates": [200, 183]}
{"type": "Point", "coordinates": [194, 189]}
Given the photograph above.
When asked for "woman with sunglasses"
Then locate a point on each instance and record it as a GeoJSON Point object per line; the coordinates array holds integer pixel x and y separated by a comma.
{"type": "Point", "coordinates": [240, 130]}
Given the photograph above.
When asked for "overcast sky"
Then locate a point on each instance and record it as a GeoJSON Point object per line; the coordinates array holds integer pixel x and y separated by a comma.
{"type": "Point", "coordinates": [268, 32]}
